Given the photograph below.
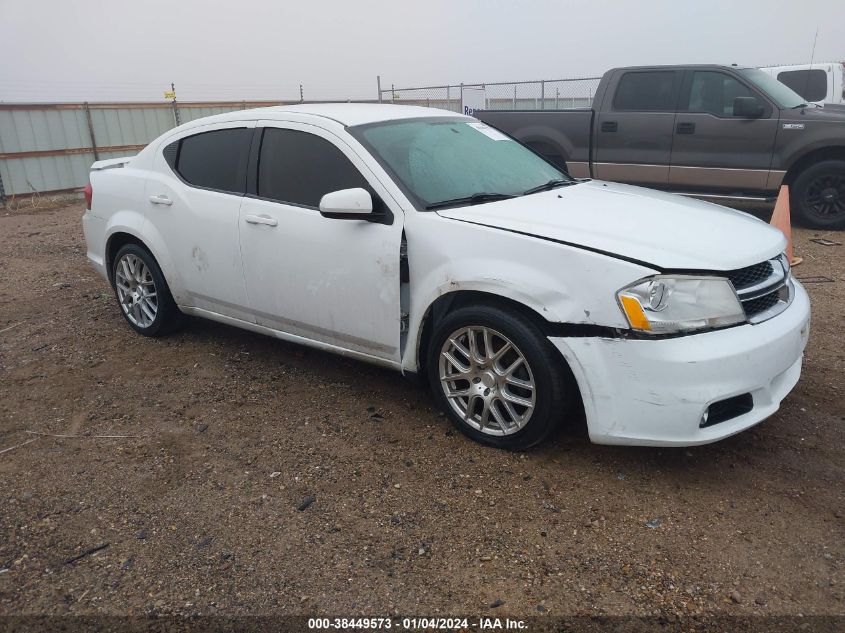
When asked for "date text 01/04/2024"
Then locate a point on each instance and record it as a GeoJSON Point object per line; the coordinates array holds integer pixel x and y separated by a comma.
{"type": "Point", "coordinates": [484, 623]}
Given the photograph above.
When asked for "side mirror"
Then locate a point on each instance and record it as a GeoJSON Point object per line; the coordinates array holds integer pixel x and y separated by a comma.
{"type": "Point", "coordinates": [347, 204]}
{"type": "Point", "coordinates": [747, 107]}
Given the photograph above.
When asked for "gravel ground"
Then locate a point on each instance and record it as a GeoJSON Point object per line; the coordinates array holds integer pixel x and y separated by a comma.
{"type": "Point", "coordinates": [190, 461]}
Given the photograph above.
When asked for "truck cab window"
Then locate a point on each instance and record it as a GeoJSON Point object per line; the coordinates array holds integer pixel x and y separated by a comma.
{"type": "Point", "coordinates": [714, 92]}
{"type": "Point", "coordinates": [651, 91]}
{"type": "Point", "coordinates": [810, 84]}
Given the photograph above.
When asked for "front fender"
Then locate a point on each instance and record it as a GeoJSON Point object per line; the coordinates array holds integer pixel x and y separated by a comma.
{"type": "Point", "coordinates": [561, 283]}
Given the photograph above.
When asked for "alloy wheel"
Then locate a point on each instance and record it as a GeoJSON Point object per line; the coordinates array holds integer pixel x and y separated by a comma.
{"type": "Point", "coordinates": [825, 196]}
{"type": "Point", "coordinates": [487, 380]}
{"type": "Point", "coordinates": [136, 290]}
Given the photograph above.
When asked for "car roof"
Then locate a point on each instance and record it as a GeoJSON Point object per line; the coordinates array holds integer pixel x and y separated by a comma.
{"type": "Point", "coordinates": [682, 67]}
{"type": "Point", "coordinates": [346, 114]}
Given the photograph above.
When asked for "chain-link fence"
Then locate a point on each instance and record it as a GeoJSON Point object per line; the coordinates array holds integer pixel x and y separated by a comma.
{"type": "Point", "coordinates": [443, 97]}
{"type": "Point", "coordinates": [548, 94]}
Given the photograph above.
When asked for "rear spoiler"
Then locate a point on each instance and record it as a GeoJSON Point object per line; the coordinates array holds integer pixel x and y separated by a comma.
{"type": "Point", "coordinates": [111, 163]}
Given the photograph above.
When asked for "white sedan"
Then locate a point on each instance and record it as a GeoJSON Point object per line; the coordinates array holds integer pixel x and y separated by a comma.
{"type": "Point", "coordinates": [431, 243]}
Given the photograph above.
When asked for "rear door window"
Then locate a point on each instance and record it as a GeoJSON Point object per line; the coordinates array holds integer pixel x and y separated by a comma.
{"type": "Point", "coordinates": [213, 160]}
{"type": "Point", "coordinates": [647, 91]}
{"type": "Point", "coordinates": [300, 168]}
{"type": "Point", "coordinates": [810, 84]}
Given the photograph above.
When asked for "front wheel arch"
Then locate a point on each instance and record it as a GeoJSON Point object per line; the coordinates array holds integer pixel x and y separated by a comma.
{"type": "Point", "coordinates": [811, 158]}
{"type": "Point", "coordinates": [452, 301]}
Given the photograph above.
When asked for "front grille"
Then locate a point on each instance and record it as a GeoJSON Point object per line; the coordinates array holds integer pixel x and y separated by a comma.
{"type": "Point", "coordinates": [753, 307]}
{"type": "Point", "coordinates": [750, 276]}
{"type": "Point", "coordinates": [763, 289]}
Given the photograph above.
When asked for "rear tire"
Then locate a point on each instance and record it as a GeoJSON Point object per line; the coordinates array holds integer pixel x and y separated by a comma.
{"type": "Point", "coordinates": [818, 195]}
{"type": "Point", "coordinates": [509, 388]}
{"type": "Point", "coordinates": [142, 292]}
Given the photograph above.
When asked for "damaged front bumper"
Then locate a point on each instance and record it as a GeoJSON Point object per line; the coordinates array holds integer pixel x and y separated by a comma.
{"type": "Point", "coordinates": [660, 392]}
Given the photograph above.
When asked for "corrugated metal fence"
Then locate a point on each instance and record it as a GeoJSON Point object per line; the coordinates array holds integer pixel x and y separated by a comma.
{"type": "Point", "coordinates": [48, 148]}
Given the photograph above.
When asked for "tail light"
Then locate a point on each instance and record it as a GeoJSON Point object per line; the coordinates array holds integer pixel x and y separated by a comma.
{"type": "Point", "coordinates": [89, 194]}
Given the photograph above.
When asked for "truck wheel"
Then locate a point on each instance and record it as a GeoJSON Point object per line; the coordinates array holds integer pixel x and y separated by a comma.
{"type": "Point", "coordinates": [499, 379]}
{"type": "Point", "coordinates": [818, 195]}
{"type": "Point", "coordinates": [142, 292]}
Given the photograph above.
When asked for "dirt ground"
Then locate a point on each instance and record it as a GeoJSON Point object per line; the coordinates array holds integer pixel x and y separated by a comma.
{"type": "Point", "coordinates": [190, 459]}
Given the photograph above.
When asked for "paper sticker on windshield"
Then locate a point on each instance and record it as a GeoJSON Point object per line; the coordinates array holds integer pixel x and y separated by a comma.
{"type": "Point", "coordinates": [488, 131]}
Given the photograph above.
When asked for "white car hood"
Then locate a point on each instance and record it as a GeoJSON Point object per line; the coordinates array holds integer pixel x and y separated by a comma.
{"type": "Point", "coordinates": [666, 230]}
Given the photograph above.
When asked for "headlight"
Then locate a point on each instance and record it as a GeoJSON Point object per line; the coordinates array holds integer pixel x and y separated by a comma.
{"type": "Point", "coordinates": [671, 304]}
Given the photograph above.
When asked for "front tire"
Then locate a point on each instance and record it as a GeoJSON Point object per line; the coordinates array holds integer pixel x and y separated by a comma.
{"type": "Point", "coordinates": [497, 377]}
{"type": "Point", "coordinates": [142, 292]}
{"type": "Point", "coordinates": [818, 195]}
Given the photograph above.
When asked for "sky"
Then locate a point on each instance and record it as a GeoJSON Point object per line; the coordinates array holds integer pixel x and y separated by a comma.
{"type": "Point", "coordinates": [95, 50]}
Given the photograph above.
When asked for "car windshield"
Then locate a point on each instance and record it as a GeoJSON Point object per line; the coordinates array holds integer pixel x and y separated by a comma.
{"type": "Point", "coordinates": [443, 162]}
{"type": "Point", "coordinates": [782, 94]}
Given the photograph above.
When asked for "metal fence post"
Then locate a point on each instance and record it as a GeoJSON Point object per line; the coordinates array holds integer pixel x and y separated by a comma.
{"type": "Point", "coordinates": [176, 116]}
{"type": "Point", "coordinates": [2, 192]}
{"type": "Point", "coordinates": [461, 107]}
{"type": "Point", "coordinates": [392, 93]}
{"type": "Point", "coordinates": [378, 84]}
{"type": "Point", "coordinates": [91, 131]}
{"type": "Point", "coordinates": [514, 96]}
{"type": "Point", "coordinates": [448, 97]}
{"type": "Point", "coordinates": [542, 95]}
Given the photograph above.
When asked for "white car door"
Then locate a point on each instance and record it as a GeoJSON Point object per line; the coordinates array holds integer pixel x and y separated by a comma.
{"type": "Point", "coordinates": [335, 281]}
{"type": "Point", "coordinates": [193, 195]}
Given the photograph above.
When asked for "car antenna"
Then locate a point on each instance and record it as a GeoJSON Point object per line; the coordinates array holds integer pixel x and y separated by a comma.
{"type": "Point", "coordinates": [810, 69]}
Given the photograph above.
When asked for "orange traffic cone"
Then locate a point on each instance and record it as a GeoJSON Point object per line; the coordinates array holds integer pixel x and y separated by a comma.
{"type": "Point", "coordinates": [781, 220]}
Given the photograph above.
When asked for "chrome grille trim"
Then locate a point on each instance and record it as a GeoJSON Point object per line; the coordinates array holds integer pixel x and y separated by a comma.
{"type": "Point", "coordinates": [768, 297]}
{"type": "Point", "coordinates": [785, 294]}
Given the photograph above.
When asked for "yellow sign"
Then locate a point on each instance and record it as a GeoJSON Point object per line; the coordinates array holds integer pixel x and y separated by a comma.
{"type": "Point", "coordinates": [170, 94]}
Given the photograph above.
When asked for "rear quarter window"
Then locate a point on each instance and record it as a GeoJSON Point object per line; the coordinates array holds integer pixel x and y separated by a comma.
{"type": "Point", "coordinates": [810, 84]}
{"type": "Point", "coordinates": [212, 160]}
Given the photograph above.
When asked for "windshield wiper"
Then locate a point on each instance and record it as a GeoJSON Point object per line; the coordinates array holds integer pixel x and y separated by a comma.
{"type": "Point", "coordinates": [554, 183]}
{"type": "Point", "coordinates": [475, 198]}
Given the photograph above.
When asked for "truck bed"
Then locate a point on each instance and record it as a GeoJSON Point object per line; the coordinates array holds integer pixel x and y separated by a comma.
{"type": "Point", "coordinates": [552, 133]}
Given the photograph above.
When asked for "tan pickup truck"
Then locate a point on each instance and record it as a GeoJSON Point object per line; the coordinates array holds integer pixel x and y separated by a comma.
{"type": "Point", "coordinates": [709, 131]}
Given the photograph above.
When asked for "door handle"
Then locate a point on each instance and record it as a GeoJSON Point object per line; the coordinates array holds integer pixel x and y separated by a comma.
{"type": "Point", "coordinates": [260, 219]}
{"type": "Point", "coordinates": [160, 199]}
{"type": "Point", "coordinates": [685, 127]}
{"type": "Point", "coordinates": [609, 126]}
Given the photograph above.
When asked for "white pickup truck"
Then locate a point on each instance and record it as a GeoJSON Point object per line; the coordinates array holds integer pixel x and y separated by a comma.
{"type": "Point", "coordinates": [822, 83]}
{"type": "Point", "coordinates": [433, 244]}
